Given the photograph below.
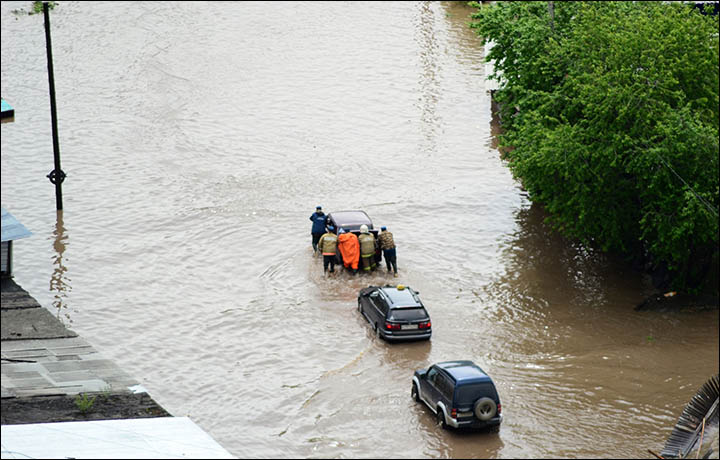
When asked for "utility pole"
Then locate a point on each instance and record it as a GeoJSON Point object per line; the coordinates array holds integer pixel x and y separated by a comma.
{"type": "Point", "coordinates": [551, 11]}
{"type": "Point", "coordinates": [56, 176]}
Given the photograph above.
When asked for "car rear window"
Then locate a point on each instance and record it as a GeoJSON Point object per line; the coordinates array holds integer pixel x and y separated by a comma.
{"type": "Point", "coordinates": [408, 314]}
{"type": "Point", "coordinates": [401, 297]}
{"type": "Point", "coordinates": [351, 218]}
{"type": "Point", "coordinates": [468, 394]}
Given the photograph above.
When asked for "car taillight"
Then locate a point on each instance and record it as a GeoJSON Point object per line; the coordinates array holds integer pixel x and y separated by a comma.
{"type": "Point", "coordinates": [391, 326]}
{"type": "Point", "coordinates": [424, 325]}
{"type": "Point", "coordinates": [453, 413]}
{"type": "Point", "coordinates": [499, 408]}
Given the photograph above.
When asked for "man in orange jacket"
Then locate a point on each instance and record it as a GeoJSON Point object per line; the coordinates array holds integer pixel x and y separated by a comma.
{"type": "Point", "coordinates": [349, 247]}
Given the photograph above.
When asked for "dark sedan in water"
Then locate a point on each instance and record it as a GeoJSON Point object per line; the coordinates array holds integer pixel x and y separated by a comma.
{"type": "Point", "coordinates": [351, 221]}
{"type": "Point", "coordinates": [395, 312]}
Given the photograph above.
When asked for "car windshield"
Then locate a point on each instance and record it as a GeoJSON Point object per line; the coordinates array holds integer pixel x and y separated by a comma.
{"type": "Point", "coordinates": [408, 314]}
{"type": "Point", "coordinates": [468, 394]}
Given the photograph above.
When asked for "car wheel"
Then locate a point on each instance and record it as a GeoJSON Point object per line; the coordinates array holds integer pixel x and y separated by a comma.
{"type": "Point", "coordinates": [485, 409]}
{"type": "Point", "coordinates": [414, 393]}
{"type": "Point", "coordinates": [441, 418]}
{"type": "Point", "coordinates": [359, 307]}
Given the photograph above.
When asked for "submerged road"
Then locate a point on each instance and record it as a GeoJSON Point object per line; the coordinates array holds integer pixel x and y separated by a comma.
{"type": "Point", "coordinates": [199, 137]}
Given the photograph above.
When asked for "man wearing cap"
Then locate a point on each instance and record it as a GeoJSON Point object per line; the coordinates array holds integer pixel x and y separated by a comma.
{"type": "Point", "coordinates": [318, 227]}
{"type": "Point", "coordinates": [328, 247]}
{"type": "Point", "coordinates": [387, 244]}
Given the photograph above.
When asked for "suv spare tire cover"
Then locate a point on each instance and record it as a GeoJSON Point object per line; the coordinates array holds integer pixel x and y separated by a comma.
{"type": "Point", "coordinates": [485, 409]}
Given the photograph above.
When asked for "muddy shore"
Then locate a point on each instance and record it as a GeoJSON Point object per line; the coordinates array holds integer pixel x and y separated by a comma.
{"type": "Point", "coordinates": [44, 409]}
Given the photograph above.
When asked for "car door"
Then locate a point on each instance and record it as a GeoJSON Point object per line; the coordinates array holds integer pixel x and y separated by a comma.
{"type": "Point", "coordinates": [429, 391]}
{"type": "Point", "coordinates": [374, 309]}
{"type": "Point", "coordinates": [445, 387]}
{"type": "Point", "coordinates": [364, 303]}
{"type": "Point", "coordinates": [382, 309]}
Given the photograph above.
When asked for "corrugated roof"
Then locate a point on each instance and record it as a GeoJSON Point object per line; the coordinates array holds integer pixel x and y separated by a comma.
{"type": "Point", "coordinates": [12, 229]}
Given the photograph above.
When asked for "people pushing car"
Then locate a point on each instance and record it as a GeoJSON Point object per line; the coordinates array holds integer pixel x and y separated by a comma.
{"type": "Point", "coordinates": [358, 243]}
{"type": "Point", "coordinates": [387, 244]}
{"type": "Point", "coordinates": [328, 246]}
{"type": "Point", "coordinates": [367, 248]}
{"type": "Point", "coordinates": [318, 219]}
{"type": "Point", "coordinates": [349, 248]}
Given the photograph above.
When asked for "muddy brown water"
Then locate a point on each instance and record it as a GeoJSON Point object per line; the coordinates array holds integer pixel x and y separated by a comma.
{"type": "Point", "coordinates": [199, 137]}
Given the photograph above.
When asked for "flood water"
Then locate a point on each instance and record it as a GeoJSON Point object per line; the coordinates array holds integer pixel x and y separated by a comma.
{"type": "Point", "coordinates": [199, 137]}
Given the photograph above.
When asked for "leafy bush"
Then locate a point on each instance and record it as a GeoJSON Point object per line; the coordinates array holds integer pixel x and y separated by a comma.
{"type": "Point", "coordinates": [38, 7]}
{"type": "Point", "coordinates": [610, 116]}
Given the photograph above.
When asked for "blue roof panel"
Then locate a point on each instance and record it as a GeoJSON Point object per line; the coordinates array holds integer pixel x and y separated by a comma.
{"type": "Point", "coordinates": [12, 229]}
{"type": "Point", "coordinates": [465, 371]}
{"type": "Point", "coordinates": [7, 110]}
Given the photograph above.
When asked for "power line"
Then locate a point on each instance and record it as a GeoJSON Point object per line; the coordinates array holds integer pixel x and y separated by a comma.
{"type": "Point", "coordinates": [705, 203]}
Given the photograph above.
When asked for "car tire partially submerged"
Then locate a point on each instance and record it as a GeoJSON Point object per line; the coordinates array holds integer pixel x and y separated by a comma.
{"type": "Point", "coordinates": [441, 419]}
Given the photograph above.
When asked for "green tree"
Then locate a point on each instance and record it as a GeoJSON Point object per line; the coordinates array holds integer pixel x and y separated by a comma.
{"type": "Point", "coordinates": [610, 113]}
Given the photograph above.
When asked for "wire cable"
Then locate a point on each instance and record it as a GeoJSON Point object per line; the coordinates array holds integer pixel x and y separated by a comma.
{"type": "Point", "coordinates": [710, 207]}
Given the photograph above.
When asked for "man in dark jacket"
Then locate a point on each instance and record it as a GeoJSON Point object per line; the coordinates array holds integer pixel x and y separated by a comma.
{"type": "Point", "coordinates": [318, 227]}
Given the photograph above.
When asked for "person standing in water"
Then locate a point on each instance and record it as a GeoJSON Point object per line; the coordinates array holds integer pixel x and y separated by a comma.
{"type": "Point", "coordinates": [328, 245]}
{"type": "Point", "coordinates": [367, 248]}
{"type": "Point", "coordinates": [349, 248]}
{"type": "Point", "coordinates": [387, 244]}
{"type": "Point", "coordinates": [319, 220]}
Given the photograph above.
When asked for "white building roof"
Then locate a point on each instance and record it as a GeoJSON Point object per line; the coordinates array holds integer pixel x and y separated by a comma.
{"type": "Point", "coordinates": [11, 228]}
{"type": "Point", "coordinates": [159, 437]}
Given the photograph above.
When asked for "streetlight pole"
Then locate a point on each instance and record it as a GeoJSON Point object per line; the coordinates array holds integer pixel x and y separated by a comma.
{"type": "Point", "coordinates": [56, 176]}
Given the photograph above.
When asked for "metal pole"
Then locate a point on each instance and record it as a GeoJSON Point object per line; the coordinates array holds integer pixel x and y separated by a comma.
{"type": "Point", "coordinates": [56, 176]}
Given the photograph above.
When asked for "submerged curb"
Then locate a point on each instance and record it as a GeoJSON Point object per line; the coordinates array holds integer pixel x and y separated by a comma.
{"type": "Point", "coordinates": [50, 374]}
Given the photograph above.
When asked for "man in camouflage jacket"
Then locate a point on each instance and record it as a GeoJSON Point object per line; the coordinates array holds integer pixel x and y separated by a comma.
{"type": "Point", "coordinates": [387, 244]}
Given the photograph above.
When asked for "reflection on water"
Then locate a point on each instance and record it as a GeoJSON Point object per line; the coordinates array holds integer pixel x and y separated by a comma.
{"type": "Point", "coordinates": [584, 347]}
{"type": "Point", "coordinates": [59, 281]}
{"type": "Point", "coordinates": [409, 355]}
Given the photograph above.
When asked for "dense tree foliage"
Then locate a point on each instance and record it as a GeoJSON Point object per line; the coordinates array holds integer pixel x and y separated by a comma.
{"type": "Point", "coordinates": [610, 117]}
